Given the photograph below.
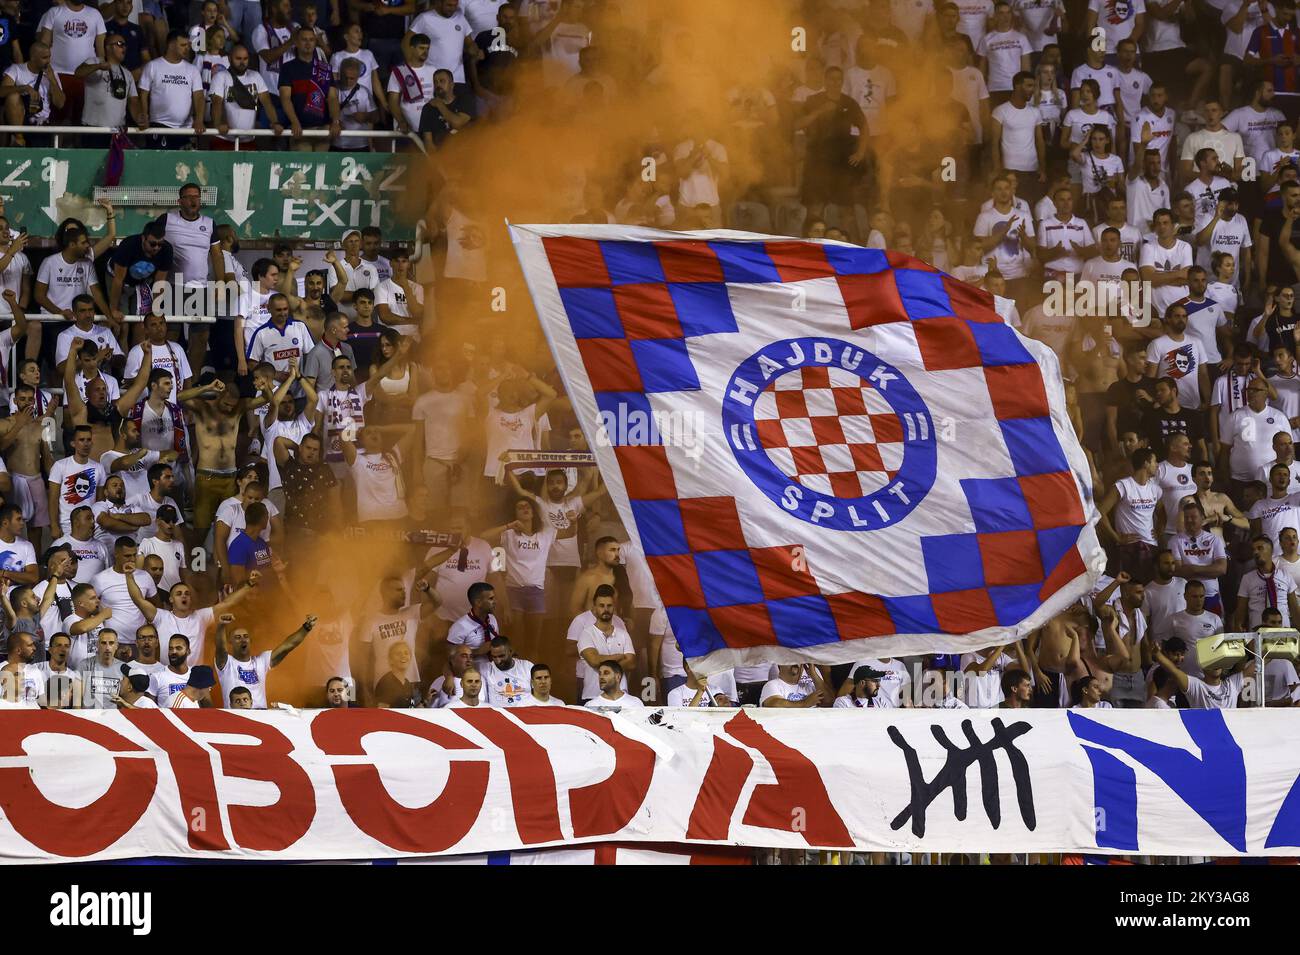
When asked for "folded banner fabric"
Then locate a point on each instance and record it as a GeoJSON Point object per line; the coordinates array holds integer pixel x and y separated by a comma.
{"type": "Point", "coordinates": [826, 453]}
{"type": "Point", "coordinates": [383, 784]}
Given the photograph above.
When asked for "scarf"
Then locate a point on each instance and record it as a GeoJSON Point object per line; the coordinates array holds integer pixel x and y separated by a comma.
{"type": "Point", "coordinates": [314, 104]}
{"type": "Point", "coordinates": [178, 425]}
{"type": "Point", "coordinates": [408, 79]}
{"type": "Point", "coordinates": [488, 630]}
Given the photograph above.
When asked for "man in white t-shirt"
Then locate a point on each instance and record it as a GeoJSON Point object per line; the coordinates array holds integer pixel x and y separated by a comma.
{"type": "Point", "coordinates": [410, 85]}
{"type": "Point", "coordinates": [1180, 356]}
{"type": "Point", "coordinates": [477, 628]}
{"type": "Point", "coordinates": [171, 90]}
{"type": "Point", "coordinates": [239, 667]}
{"type": "Point", "coordinates": [507, 679]}
{"type": "Point", "coordinates": [1226, 144]}
{"type": "Point", "coordinates": [1218, 689]}
{"type": "Point", "coordinates": [75, 33]}
{"type": "Point", "coordinates": [541, 688]}
{"type": "Point", "coordinates": [613, 696]}
{"type": "Point", "coordinates": [235, 96]}
{"type": "Point", "coordinates": [450, 36]}
{"type": "Point", "coordinates": [1164, 263]}
{"type": "Point", "coordinates": [1265, 585]}
{"type": "Point", "coordinates": [395, 621]}
{"type": "Point", "coordinates": [603, 641]}
{"type": "Point", "coordinates": [1006, 235]}
{"type": "Point", "coordinates": [1249, 436]}
{"type": "Point", "coordinates": [1004, 51]}
{"type": "Point", "coordinates": [797, 685]}
{"type": "Point", "coordinates": [1016, 133]}
{"type": "Point", "coordinates": [1137, 516]}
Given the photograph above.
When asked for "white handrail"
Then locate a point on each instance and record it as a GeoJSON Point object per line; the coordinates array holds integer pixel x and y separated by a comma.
{"type": "Point", "coordinates": [128, 319]}
{"type": "Point", "coordinates": [57, 131]}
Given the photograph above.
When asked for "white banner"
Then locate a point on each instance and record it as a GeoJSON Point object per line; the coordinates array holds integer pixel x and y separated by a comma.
{"type": "Point", "coordinates": [364, 784]}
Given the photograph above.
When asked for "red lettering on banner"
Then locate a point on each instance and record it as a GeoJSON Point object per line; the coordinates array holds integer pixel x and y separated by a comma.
{"type": "Point", "coordinates": [192, 766]}
{"type": "Point", "coordinates": [533, 794]}
{"type": "Point", "coordinates": [60, 830]}
{"type": "Point", "coordinates": [607, 806]}
{"type": "Point", "coordinates": [263, 828]}
{"type": "Point", "coordinates": [720, 792]}
{"type": "Point", "coordinates": [798, 795]}
{"type": "Point", "coordinates": [427, 829]}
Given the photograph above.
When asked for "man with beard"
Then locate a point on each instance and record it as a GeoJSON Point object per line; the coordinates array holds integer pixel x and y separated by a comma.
{"type": "Point", "coordinates": [318, 366]}
{"type": "Point", "coordinates": [239, 667]}
{"type": "Point", "coordinates": [184, 618]}
{"type": "Point", "coordinates": [216, 411]}
{"type": "Point", "coordinates": [129, 458]}
{"type": "Point", "coordinates": [166, 684]}
{"type": "Point", "coordinates": [866, 687]}
{"type": "Point", "coordinates": [235, 96]}
{"type": "Point", "coordinates": [506, 678]}
{"type": "Point", "coordinates": [101, 674]}
{"type": "Point", "coordinates": [96, 412]}
{"type": "Point", "coordinates": [62, 688]}
{"type": "Point", "coordinates": [20, 680]}
{"type": "Point", "coordinates": [114, 517]}
{"type": "Point", "coordinates": [613, 695]}
{"type": "Point", "coordinates": [478, 627]}
{"type": "Point", "coordinates": [603, 641]}
{"type": "Point", "coordinates": [1180, 356]}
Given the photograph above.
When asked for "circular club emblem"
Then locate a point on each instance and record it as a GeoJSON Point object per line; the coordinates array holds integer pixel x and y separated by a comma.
{"type": "Point", "coordinates": [830, 433]}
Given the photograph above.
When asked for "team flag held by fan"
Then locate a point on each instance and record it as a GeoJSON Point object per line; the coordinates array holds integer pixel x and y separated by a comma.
{"type": "Point", "coordinates": [827, 453]}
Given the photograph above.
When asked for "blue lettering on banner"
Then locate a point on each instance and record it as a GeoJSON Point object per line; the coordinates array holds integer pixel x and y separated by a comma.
{"type": "Point", "coordinates": [1214, 785]}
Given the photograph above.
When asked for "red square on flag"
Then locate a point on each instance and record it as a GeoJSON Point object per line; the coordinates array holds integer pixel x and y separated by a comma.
{"type": "Point", "coordinates": [610, 364]}
{"type": "Point", "coordinates": [796, 261]}
{"type": "Point", "coordinates": [1053, 500]}
{"type": "Point", "coordinates": [689, 262]}
{"type": "Point", "coordinates": [647, 311]}
{"type": "Point", "coordinates": [646, 472]}
{"type": "Point", "coordinates": [964, 611]}
{"type": "Point", "coordinates": [1010, 558]}
{"type": "Point", "coordinates": [576, 263]}
{"type": "Point", "coordinates": [1069, 567]}
{"type": "Point", "coordinates": [783, 572]}
{"type": "Point", "coordinates": [871, 299]}
{"type": "Point", "coordinates": [860, 615]}
{"type": "Point", "coordinates": [711, 523]}
{"type": "Point", "coordinates": [970, 302]}
{"type": "Point", "coordinates": [1017, 391]}
{"type": "Point", "coordinates": [677, 580]}
{"type": "Point", "coordinates": [744, 625]}
{"type": "Point", "coordinates": [946, 343]}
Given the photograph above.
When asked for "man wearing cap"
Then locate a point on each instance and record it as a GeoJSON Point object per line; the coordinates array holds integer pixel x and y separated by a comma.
{"type": "Point", "coordinates": [197, 691]}
{"type": "Point", "coordinates": [866, 688]}
{"type": "Point", "coordinates": [133, 693]}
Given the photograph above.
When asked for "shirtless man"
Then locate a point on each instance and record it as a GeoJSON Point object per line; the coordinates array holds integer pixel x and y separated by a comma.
{"type": "Point", "coordinates": [601, 572]}
{"type": "Point", "coordinates": [28, 458]}
{"type": "Point", "coordinates": [1054, 655]}
{"type": "Point", "coordinates": [1118, 671]}
{"type": "Point", "coordinates": [96, 410]}
{"type": "Point", "coordinates": [217, 410]}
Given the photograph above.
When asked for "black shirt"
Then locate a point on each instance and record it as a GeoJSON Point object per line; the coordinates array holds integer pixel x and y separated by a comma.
{"type": "Point", "coordinates": [134, 38]}
{"type": "Point", "coordinates": [140, 267]}
{"type": "Point", "coordinates": [309, 91]}
{"type": "Point", "coordinates": [384, 26]}
{"type": "Point", "coordinates": [1130, 410]}
{"type": "Point", "coordinates": [496, 69]}
{"type": "Point", "coordinates": [306, 491]}
{"type": "Point", "coordinates": [398, 694]}
{"type": "Point", "coordinates": [364, 340]}
{"type": "Point", "coordinates": [11, 29]}
{"type": "Point", "coordinates": [1279, 270]}
{"type": "Point", "coordinates": [432, 121]}
{"type": "Point", "coordinates": [1161, 425]}
{"type": "Point", "coordinates": [833, 130]}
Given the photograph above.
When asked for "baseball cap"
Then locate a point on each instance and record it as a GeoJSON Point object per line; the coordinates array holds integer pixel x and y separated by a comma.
{"type": "Point", "coordinates": [351, 232]}
{"type": "Point", "coordinates": [201, 677]}
{"type": "Point", "coordinates": [139, 681]}
{"type": "Point", "coordinates": [867, 673]}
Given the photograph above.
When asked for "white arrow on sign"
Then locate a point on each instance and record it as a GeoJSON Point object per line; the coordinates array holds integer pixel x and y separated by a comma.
{"type": "Point", "coordinates": [55, 172]}
{"type": "Point", "coordinates": [242, 174]}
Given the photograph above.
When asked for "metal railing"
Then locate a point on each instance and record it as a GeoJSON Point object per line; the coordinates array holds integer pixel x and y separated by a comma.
{"type": "Point", "coordinates": [391, 135]}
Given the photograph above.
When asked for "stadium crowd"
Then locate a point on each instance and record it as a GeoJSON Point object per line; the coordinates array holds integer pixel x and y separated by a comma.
{"type": "Point", "coordinates": [1122, 177]}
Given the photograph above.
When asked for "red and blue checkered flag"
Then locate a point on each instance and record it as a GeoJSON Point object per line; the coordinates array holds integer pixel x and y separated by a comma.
{"type": "Point", "coordinates": [826, 452]}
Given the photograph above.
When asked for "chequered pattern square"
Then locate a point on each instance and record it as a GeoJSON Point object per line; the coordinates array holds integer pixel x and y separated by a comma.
{"type": "Point", "coordinates": [634, 305]}
{"type": "Point", "coordinates": [829, 430]}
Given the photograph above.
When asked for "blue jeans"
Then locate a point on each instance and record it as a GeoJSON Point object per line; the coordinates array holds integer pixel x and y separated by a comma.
{"type": "Point", "coordinates": [245, 17]}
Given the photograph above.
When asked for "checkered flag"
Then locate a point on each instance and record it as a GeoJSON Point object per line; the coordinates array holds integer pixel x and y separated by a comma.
{"type": "Point", "coordinates": [826, 452]}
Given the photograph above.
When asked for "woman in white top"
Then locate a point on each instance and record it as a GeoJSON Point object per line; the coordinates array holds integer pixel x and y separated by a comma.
{"type": "Point", "coordinates": [527, 542]}
{"type": "Point", "coordinates": [394, 382]}
{"type": "Point", "coordinates": [1102, 169]}
{"type": "Point", "coordinates": [1077, 127]}
{"type": "Point", "coordinates": [1052, 103]}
